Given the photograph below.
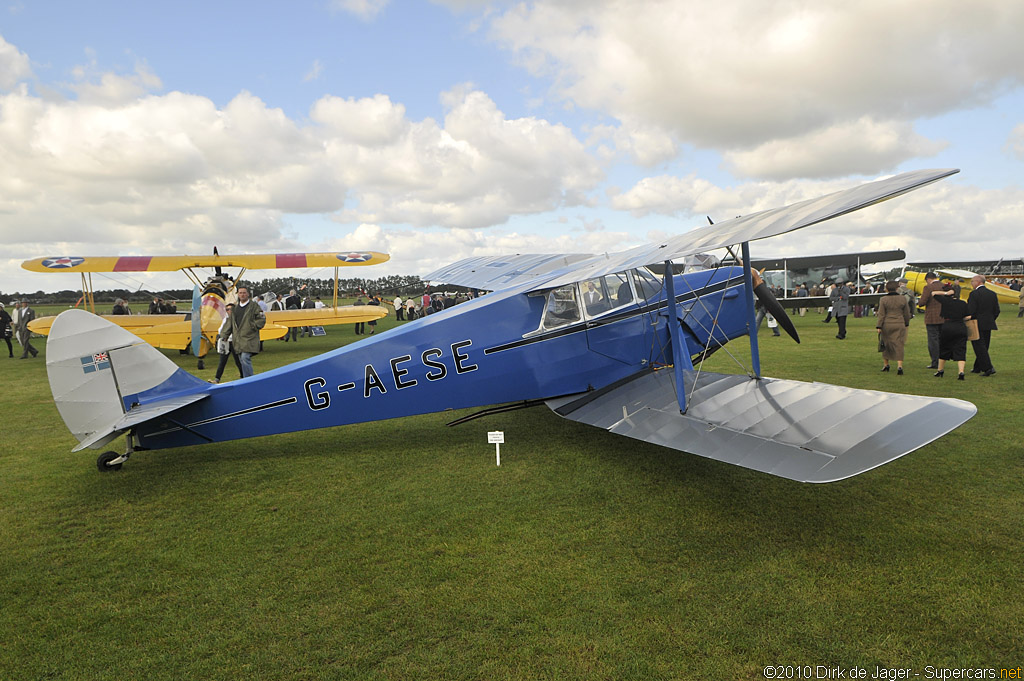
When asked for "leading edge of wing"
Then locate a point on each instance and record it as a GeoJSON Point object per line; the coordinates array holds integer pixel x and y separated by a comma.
{"type": "Point", "coordinates": [498, 272]}
{"type": "Point", "coordinates": [808, 432]}
{"type": "Point", "coordinates": [173, 263]}
{"type": "Point", "coordinates": [752, 227]}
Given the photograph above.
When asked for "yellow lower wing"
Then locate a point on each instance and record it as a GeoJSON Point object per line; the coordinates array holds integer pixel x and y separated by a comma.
{"type": "Point", "coordinates": [916, 282]}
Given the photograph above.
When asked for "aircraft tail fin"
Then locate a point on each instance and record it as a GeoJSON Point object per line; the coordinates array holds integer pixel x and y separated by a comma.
{"type": "Point", "coordinates": [809, 432]}
{"type": "Point", "coordinates": [103, 378]}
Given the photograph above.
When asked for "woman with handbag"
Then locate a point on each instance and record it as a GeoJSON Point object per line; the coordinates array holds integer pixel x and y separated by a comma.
{"type": "Point", "coordinates": [953, 338]}
{"type": "Point", "coordinates": [893, 320]}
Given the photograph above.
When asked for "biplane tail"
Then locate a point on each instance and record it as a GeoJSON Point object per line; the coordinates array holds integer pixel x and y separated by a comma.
{"type": "Point", "coordinates": [105, 379]}
{"type": "Point", "coordinates": [808, 432]}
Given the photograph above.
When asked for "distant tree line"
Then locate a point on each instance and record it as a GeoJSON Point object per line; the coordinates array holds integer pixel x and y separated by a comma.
{"type": "Point", "coordinates": [347, 288]}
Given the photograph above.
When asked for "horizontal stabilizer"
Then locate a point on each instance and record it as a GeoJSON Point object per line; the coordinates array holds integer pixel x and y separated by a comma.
{"type": "Point", "coordinates": [809, 432]}
{"type": "Point", "coordinates": [139, 415]}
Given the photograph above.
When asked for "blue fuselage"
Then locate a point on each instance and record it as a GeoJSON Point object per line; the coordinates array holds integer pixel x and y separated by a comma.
{"type": "Point", "coordinates": [495, 349]}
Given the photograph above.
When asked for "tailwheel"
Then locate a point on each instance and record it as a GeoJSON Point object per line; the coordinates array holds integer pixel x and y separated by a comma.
{"type": "Point", "coordinates": [110, 461]}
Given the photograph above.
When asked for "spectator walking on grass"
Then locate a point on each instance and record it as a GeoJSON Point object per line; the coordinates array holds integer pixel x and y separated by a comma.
{"type": "Point", "coordinates": [932, 316]}
{"type": "Point", "coordinates": [246, 321]}
{"type": "Point", "coordinates": [224, 348]}
{"type": "Point", "coordinates": [360, 326]}
{"type": "Point", "coordinates": [892, 322]}
{"type": "Point", "coordinates": [840, 298]}
{"type": "Point", "coordinates": [983, 306]}
{"type": "Point", "coordinates": [25, 315]}
{"type": "Point", "coordinates": [953, 337]}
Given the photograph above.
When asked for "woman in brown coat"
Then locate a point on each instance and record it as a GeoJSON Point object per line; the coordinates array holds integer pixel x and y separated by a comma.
{"type": "Point", "coordinates": [893, 320]}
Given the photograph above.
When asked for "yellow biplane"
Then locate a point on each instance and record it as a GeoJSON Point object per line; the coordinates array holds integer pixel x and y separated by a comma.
{"type": "Point", "coordinates": [200, 325]}
{"type": "Point", "coordinates": [916, 283]}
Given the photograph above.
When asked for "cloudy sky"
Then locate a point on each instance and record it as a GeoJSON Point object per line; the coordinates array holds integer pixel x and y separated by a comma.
{"type": "Point", "coordinates": [439, 130]}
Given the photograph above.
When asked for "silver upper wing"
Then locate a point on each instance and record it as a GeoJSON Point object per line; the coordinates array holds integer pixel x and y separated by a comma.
{"type": "Point", "coordinates": [549, 271]}
{"type": "Point", "coordinates": [757, 225]}
{"type": "Point", "coordinates": [492, 273]}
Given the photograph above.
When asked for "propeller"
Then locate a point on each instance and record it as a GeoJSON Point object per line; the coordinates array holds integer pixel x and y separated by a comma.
{"type": "Point", "coordinates": [772, 305]}
{"type": "Point", "coordinates": [197, 325]}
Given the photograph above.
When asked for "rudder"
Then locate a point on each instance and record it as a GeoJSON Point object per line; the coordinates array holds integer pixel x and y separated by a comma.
{"type": "Point", "coordinates": [99, 371]}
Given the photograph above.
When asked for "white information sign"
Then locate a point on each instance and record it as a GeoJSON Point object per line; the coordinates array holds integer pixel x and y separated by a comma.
{"type": "Point", "coordinates": [497, 438]}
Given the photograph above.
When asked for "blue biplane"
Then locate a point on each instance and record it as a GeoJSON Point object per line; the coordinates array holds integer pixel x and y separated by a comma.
{"type": "Point", "coordinates": [599, 339]}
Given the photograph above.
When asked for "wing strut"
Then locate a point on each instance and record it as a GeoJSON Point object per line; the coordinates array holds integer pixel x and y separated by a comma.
{"type": "Point", "coordinates": [748, 285]}
{"type": "Point", "coordinates": [680, 349]}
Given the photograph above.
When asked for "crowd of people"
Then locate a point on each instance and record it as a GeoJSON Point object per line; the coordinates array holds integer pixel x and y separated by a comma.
{"type": "Point", "coordinates": [950, 319]}
{"type": "Point", "coordinates": [15, 325]}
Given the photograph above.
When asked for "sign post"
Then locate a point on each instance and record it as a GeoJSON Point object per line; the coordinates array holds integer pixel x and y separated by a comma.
{"type": "Point", "coordinates": [497, 437]}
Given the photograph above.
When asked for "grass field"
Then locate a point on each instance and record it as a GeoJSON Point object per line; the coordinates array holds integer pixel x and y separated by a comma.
{"type": "Point", "coordinates": [398, 550]}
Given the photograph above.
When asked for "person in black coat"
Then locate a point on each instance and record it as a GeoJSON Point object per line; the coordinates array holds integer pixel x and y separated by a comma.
{"type": "Point", "coordinates": [983, 305]}
{"type": "Point", "coordinates": [953, 337]}
{"type": "Point", "coordinates": [5, 329]}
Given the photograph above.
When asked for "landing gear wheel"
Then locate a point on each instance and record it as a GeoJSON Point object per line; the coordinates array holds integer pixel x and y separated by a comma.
{"type": "Point", "coordinates": [103, 462]}
{"type": "Point", "coordinates": [202, 364]}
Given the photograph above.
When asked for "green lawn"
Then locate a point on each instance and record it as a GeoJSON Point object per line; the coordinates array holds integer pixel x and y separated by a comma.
{"type": "Point", "coordinates": [397, 550]}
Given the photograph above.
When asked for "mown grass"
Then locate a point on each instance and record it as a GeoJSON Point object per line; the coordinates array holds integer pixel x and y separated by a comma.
{"type": "Point", "coordinates": [397, 550]}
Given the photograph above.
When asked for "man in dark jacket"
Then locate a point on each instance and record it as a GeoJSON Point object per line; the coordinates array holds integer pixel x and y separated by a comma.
{"type": "Point", "coordinates": [25, 315]}
{"type": "Point", "coordinates": [840, 298]}
{"type": "Point", "coordinates": [292, 302]}
{"type": "Point", "coordinates": [983, 305]}
{"type": "Point", "coordinates": [246, 321]}
{"type": "Point", "coordinates": [932, 316]}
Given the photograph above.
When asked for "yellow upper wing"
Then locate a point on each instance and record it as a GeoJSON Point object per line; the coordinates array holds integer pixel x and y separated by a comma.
{"type": "Point", "coordinates": [132, 322]}
{"type": "Point", "coordinates": [172, 263]}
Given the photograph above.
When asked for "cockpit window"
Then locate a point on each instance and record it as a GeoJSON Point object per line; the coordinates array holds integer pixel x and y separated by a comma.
{"type": "Point", "coordinates": [562, 308]}
{"type": "Point", "coordinates": [606, 293]}
{"type": "Point", "coordinates": [647, 285]}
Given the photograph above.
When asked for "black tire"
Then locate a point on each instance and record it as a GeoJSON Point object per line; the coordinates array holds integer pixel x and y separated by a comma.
{"type": "Point", "coordinates": [103, 462]}
{"type": "Point", "coordinates": [202, 364]}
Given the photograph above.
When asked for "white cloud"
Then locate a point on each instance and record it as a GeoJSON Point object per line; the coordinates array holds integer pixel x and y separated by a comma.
{"type": "Point", "coordinates": [1015, 142]}
{"type": "Point", "coordinates": [741, 74]}
{"type": "Point", "coordinates": [644, 145]}
{"type": "Point", "coordinates": [372, 121]}
{"type": "Point", "coordinates": [120, 170]}
{"type": "Point", "coordinates": [861, 147]}
{"type": "Point", "coordinates": [476, 170]}
{"type": "Point", "coordinates": [367, 10]}
{"type": "Point", "coordinates": [314, 71]}
{"type": "Point", "coordinates": [15, 66]}
{"type": "Point", "coordinates": [107, 88]}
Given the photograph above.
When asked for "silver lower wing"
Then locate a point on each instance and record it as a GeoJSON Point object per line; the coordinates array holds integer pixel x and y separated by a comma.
{"type": "Point", "coordinates": [808, 432]}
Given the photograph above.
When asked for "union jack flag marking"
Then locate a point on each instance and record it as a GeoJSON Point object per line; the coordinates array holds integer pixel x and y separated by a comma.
{"type": "Point", "coordinates": [97, 362]}
{"type": "Point", "coordinates": [355, 257]}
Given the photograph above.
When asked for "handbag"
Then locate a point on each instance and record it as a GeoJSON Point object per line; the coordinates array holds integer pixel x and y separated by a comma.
{"type": "Point", "coordinates": [881, 343]}
{"type": "Point", "coordinates": [972, 330]}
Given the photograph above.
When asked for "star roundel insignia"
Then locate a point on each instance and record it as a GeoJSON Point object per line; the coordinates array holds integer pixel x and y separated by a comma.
{"type": "Point", "coordinates": [62, 262]}
{"type": "Point", "coordinates": [355, 257]}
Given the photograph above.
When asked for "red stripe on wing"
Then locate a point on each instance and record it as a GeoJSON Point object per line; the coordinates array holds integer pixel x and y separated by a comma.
{"type": "Point", "coordinates": [132, 263]}
{"type": "Point", "coordinates": [291, 259]}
